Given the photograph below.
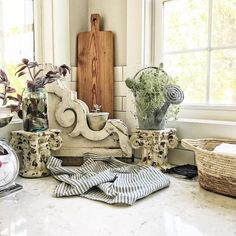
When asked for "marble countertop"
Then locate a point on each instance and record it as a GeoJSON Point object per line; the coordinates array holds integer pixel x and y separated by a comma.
{"type": "Point", "coordinates": [182, 209]}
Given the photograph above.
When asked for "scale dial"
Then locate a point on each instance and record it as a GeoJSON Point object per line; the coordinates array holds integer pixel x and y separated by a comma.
{"type": "Point", "coordinates": [9, 165]}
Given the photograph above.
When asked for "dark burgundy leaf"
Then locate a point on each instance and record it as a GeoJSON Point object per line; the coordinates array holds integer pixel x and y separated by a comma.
{"type": "Point", "coordinates": [3, 151]}
{"type": "Point", "coordinates": [12, 98]}
{"type": "Point", "coordinates": [49, 80]}
{"type": "Point", "coordinates": [10, 89]}
{"type": "Point", "coordinates": [19, 97]}
{"type": "Point", "coordinates": [4, 101]}
{"type": "Point", "coordinates": [57, 76]}
{"type": "Point", "coordinates": [30, 84]}
{"type": "Point", "coordinates": [3, 75]}
{"type": "Point", "coordinates": [2, 95]}
{"type": "Point", "coordinates": [2, 81]}
{"type": "Point", "coordinates": [66, 67]}
{"type": "Point", "coordinates": [39, 71]}
{"type": "Point", "coordinates": [50, 73]}
{"type": "Point", "coordinates": [60, 70]}
{"type": "Point", "coordinates": [64, 72]}
{"type": "Point", "coordinates": [25, 61]}
{"type": "Point", "coordinates": [33, 64]}
{"type": "Point", "coordinates": [39, 83]}
{"type": "Point", "coordinates": [13, 107]}
{"type": "Point", "coordinates": [20, 114]}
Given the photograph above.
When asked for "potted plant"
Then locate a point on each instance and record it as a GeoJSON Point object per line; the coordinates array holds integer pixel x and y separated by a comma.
{"type": "Point", "coordinates": [7, 100]}
{"type": "Point", "coordinates": [5, 96]}
{"type": "Point", "coordinates": [34, 98]}
{"type": "Point", "coordinates": [156, 97]}
{"type": "Point", "coordinates": [6, 89]}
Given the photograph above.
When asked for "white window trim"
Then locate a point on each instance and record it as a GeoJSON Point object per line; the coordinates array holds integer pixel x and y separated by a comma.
{"type": "Point", "coordinates": [52, 32]}
{"type": "Point", "coordinates": [212, 112]}
{"type": "Point", "coordinates": [16, 121]}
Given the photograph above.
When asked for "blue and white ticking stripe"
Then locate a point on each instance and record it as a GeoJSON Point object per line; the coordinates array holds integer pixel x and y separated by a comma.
{"type": "Point", "coordinates": [110, 181]}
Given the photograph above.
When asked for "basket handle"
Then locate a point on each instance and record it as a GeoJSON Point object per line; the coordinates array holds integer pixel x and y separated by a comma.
{"type": "Point", "coordinates": [188, 144]}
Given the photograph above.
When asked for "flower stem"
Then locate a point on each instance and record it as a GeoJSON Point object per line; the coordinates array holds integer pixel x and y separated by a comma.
{"type": "Point", "coordinates": [30, 73]}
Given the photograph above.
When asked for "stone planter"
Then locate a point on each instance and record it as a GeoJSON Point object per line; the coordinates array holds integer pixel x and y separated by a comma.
{"type": "Point", "coordinates": [34, 149]}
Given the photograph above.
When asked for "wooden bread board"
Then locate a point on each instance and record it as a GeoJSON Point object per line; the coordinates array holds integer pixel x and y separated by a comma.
{"type": "Point", "coordinates": [95, 67]}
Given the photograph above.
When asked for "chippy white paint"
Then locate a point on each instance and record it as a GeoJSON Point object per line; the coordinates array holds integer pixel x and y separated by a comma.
{"type": "Point", "coordinates": [68, 114]}
{"type": "Point", "coordinates": [154, 145]}
{"type": "Point", "coordinates": [34, 149]}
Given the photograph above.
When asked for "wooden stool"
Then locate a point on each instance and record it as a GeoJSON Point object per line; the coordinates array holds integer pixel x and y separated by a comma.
{"type": "Point", "coordinates": [35, 149]}
{"type": "Point", "coordinates": [154, 144]}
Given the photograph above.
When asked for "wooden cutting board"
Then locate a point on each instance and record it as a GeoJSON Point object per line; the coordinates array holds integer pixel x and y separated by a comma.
{"type": "Point", "coordinates": [95, 66]}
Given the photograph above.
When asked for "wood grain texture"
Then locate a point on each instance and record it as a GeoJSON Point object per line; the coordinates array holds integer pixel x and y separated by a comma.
{"type": "Point", "coordinates": [95, 67]}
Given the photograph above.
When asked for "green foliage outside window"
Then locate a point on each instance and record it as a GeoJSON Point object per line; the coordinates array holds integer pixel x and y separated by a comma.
{"type": "Point", "coordinates": [200, 49]}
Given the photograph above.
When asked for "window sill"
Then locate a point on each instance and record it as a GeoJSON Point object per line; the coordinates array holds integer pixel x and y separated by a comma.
{"type": "Point", "coordinates": [204, 121]}
{"type": "Point", "coordinates": [209, 107]}
{"type": "Point", "coordinates": [15, 124]}
{"type": "Point", "coordinates": [209, 113]}
{"type": "Point", "coordinates": [204, 128]}
{"type": "Point", "coordinates": [198, 129]}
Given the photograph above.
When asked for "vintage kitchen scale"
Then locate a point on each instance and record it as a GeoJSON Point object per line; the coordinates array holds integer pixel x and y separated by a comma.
{"type": "Point", "coordinates": [9, 163]}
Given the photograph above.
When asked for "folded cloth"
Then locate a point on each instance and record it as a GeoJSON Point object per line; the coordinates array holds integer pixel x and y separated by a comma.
{"type": "Point", "coordinates": [109, 181]}
{"type": "Point", "coordinates": [226, 149]}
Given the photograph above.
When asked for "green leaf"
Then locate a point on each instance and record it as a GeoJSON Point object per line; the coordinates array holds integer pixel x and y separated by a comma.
{"type": "Point", "coordinates": [21, 73]}
{"type": "Point", "coordinates": [20, 69]}
{"type": "Point", "coordinates": [130, 83]}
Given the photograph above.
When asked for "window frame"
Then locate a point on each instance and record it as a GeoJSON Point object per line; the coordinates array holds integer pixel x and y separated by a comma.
{"type": "Point", "coordinates": [193, 122]}
{"type": "Point", "coordinates": [3, 110]}
{"type": "Point", "coordinates": [206, 111]}
{"type": "Point", "coordinates": [51, 30]}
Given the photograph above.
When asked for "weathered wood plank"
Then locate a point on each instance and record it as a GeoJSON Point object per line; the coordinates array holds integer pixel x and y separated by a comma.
{"type": "Point", "coordinates": [95, 66]}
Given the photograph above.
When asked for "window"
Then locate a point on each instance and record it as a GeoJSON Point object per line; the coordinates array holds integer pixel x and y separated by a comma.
{"type": "Point", "coordinates": [16, 36]}
{"type": "Point", "coordinates": [199, 47]}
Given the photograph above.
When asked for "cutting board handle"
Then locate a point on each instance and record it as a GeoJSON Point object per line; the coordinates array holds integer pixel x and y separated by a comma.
{"type": "Point", "coordinates": [95, 22]}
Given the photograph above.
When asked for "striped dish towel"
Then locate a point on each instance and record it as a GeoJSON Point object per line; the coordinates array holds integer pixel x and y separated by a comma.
{"type": "Point", "coordinates": [110, 180]}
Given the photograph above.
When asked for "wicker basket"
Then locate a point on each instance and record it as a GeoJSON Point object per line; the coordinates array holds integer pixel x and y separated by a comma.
{"type": "Point", "coordinates": [216, 172]}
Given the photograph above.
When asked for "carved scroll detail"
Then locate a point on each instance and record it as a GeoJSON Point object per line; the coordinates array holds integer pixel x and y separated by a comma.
{"type": "Point", "coordinates": [79, 110]}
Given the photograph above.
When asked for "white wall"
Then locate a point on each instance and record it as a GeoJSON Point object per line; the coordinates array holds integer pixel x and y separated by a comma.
{"type": "Point", "coordinates": [114, 18]}
{"type": "Point", "coordinates": [134, 52]}
{"type": "Point", "coordinates": [61, 32]}
{"type": "Point", "coordinates": [78, 23]}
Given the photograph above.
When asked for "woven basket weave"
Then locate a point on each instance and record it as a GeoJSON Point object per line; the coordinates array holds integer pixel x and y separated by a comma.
{"type": "Point", "coordinates": [216, 172]}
